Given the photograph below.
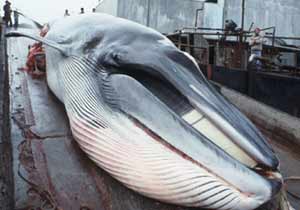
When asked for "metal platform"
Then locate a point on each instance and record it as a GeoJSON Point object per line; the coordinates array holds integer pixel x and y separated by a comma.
{"type": "Point", "coordinates": [50, 171]}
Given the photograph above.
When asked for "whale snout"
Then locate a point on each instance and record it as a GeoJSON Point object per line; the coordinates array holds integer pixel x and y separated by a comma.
{"type": "Point", "coordinates": [172, 75]}
{"type": "Point", "coordinates": [172, 102]}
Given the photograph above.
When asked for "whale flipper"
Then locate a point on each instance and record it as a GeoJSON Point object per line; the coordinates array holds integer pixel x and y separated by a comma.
{"type": "Point", "coordinates": [36, 23]}
{"type": "Point", "coordinates": [45, 41]}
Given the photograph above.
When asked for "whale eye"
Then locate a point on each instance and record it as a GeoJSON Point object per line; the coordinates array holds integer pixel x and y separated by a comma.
{"type": "Point", "coordinates": [118, 57]}
{"type": "Point", "coordinates": [92, 44]}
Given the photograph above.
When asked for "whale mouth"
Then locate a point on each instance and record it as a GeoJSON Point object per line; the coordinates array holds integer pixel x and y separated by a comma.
{"type": "Point", "coordinates": [179, 104]}
{"type": "Point", "coordinates": [191, 119]}
{"type": "Point", "coordinates": [273, 176]}
{"type": "Point", "coordinates": [172, 98]}
{"type": "Point", "coordinates": [163, 90]}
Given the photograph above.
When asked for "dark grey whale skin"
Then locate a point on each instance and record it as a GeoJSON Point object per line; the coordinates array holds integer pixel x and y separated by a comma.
{"type": "Point", "coordinates": [117, 46]}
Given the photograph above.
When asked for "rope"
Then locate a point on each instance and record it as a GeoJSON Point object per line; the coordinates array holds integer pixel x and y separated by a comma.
{"type": "Point", "coordinates": [44, 195]}
{"type": "Point", "coordinates": [289, 179]}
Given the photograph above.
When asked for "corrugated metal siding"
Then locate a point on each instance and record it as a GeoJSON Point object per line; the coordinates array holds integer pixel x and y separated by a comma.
{"type": "Point", "coordinates": [163, 15]}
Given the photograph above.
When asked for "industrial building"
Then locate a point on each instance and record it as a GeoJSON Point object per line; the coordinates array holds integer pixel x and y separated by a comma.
{"type": "Point", "coordinates": [169, 15]}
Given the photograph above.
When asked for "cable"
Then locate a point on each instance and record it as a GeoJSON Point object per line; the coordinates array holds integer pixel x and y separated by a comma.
{"type": "Point", "coordinates": [45, 196]}
{"type": "Point", "coordinates": [292, 178]}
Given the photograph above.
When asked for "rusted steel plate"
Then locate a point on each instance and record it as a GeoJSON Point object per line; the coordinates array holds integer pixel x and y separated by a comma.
{"type": "Point", "coordinates": [49, 115]}
{"type": "Point", "coordinates": [17, 120]}
{"type": "Point", "coordinates": [64, 175]}
{"type": "Point", "coordinates": [29, 118]}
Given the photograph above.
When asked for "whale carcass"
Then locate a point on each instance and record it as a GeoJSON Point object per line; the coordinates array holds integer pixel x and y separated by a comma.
{"type": "Point", "coordinates": [141, 110]}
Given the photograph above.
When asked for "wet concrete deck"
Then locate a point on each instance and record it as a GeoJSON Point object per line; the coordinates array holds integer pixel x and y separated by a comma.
{"type": "Point", "coordinates": [51, 172]}
{"type": "Point", "coordinates": [6, 180]}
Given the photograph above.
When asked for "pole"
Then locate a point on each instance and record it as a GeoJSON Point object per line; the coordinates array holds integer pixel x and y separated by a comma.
{"type": "Point", "coordinates": [197, 14]}
{"type": "Point", "coordinates": [197, 17]}
{"type": "Point", "coordinates": [148, 14]}
{"type": "Point", "coordinates": [243, 15]}
{"type": "Point", "coordinates": [242, 21]}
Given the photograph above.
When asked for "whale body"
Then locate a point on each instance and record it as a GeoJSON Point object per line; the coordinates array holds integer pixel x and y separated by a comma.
{"type": "Point", "coordinates": [142, 110]}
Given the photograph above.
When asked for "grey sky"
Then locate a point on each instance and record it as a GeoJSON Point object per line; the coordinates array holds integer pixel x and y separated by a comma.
{"type": "Point", "coordinates": [45, 10]}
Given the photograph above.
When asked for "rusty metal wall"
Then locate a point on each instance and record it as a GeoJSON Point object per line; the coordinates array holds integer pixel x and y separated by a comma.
{"type": "Point", "coordinates": [279, 91]}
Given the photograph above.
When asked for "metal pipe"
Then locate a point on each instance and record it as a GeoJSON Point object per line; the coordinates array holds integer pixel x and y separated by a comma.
{"type": "Point", "coordinates": [197, 16]}
{"type": "Point", "coordinates": [273, 40]}
{"type": "Point", "coordinates": [191, 46]}
{"type": "Point", "coordinates": [265, 29]}
{"type": "Point", "coordinates": [243, 14]}
{"type": "Point", "coordinates": [284, 37]}
{"type": "Point", "coordinates": [148, 14]}
{"type": "Point", "coordinates": [200, 28]}
{"type": "Point", "coordinates": [250, 28]}
{"type": "Point", "coordinates": [99, 3]}
{"type": "Point", "coordinates": [237, 34]}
